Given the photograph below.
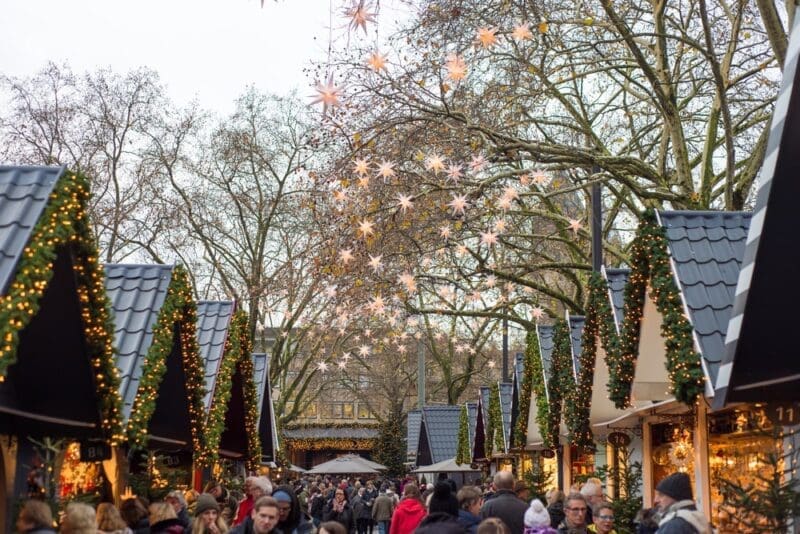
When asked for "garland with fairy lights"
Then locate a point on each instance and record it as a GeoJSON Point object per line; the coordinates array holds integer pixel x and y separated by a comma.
{"type": "Point", "coordinates": [462, 451]}
{"type": "Point", "coordinates": [538, 383]}
{"type": "Point", "coordinates": [495, 428]}
{"type": "Point", "coordinates": [64, 224]}
{"type": "Point", "coordinates": [650, 267]}
{"type": "Point", "coordinates": [526, 383]}
{"type": "Point", "coordinates": [559, 383]}
{"type": "Point", "coordinates": [236, 356]}
{"type": "Point", "coordinates": [599, 322]}
{"type": "Point", "coordinates": [342, 444]}
{"type": "Point", "coordinates": [180, 309]}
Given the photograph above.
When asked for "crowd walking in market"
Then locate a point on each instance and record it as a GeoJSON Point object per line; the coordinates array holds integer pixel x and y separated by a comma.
{"type": "Point", "coordinates": [349, 505]}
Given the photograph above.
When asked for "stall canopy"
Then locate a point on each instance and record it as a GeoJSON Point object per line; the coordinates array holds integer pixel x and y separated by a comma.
{"type": "Point", "coordinates": [347, 464]}
{"type": "Point", "coordinates": [57, 373]}
{"type": "Point", "coordinates": [760, 362]}
{"type": "Point", "coordinates": [446, 466]}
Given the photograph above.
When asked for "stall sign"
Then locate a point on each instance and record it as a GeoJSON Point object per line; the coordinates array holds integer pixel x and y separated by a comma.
{"type": "Point", "coordinates": [619, 439]}
{"type": "Point", "coordinates": [94, 451]}
{"type": "Point", "coordinates": [783, 413]}
{"type": "Point", "coordinates": [548, 453]}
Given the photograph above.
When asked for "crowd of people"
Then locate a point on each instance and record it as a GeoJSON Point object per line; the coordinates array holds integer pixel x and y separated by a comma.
{"type": "Point", "coordinates": [327, 505]}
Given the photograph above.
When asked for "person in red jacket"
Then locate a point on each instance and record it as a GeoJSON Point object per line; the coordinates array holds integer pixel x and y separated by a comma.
{"type": "Point", "coordinates": [409, 513]}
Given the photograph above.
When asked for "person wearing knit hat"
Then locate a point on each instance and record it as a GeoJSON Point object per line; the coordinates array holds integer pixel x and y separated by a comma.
{"type": "Point", "coordinates": [291, 519]}
{"type": "Point", "coordinates": [537, 520]}
{"type": "Point", "coordinates": [207, 519]}
{"type": "Point", "coordinates": [679, 514]}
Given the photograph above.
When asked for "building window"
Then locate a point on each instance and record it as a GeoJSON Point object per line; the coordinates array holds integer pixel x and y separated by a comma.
{"type": "Point", "coordinates": [347, 410]}
{"type": "Point", "coordinates": [364, 412]}
{"type": "Point", "coordinates": [311, 411]}
{"type": "Point", "coordinates": [339, 410]}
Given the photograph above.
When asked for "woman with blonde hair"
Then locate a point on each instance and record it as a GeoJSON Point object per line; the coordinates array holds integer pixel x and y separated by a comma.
{"type": "Point", "coordinates": [164, 520]}
{"type": "Point", "coordinates": [109, 520]}
{"type": "Point", "coordinates": [207, 518]}
{"type": "Point", "coordinates": [79, 519]}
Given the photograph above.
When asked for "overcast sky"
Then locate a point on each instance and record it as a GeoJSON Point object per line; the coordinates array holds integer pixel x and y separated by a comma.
{"type": "Point", "coordinates": [210, 49]}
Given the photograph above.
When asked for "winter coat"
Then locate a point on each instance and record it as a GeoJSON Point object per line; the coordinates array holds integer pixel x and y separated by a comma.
{"type": "Point", "coordinates": [316, 506]}
{"type": "Point", "coordinates": [382, 508]}
{"type": "Point", "coordinates": [168, 526]}
{"type": "Point", "coordinates": [564, 529]}
{"type": "Point", "coordinates": [345, 517]}
{"type": "Point", "coordinates": [407, 516]}
{"type": "Point", "coordinates": [469, 521]}
{"type": "Point", "coordinates": [303, 527]}
{"type": "Point", "coordinates": [506, 506]}
{"type": "Point", "coordinates": [683, 517]}
{"type": "Point", "coordinates": [540, 530]}
{"type": "Point", "coordinates": [361, 508]}
{"type": "Point", "coordinates": [43, 530]}
{"type": "Point", "coordinates": [557, 515]}
{"type": "Point", "coordinates": [243, 510]}
{"type": "Point", "coordinates": [246, 527]}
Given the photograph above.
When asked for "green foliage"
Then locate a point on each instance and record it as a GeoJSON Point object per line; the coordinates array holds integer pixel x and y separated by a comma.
{"type": "Point", "coordinates": [158, 478]}
{"type": "Point", "coordinates": [537, 479]}
{"type": "Point", "coordinates": [627, 478]}
{"type": "Point", "coordinates": [64, 223]}
{"type": "Point", "coordinates": [520, 430]}
{"type": "Point", "coordinates": [390, 445]}
{"type": "Point", "coordinates": [651, 268]}
{"type": "Point", "coordinates": [462, 452]}
{"type": "Point", "coordinates": [494, 432]}
{"type": "Point", "coordinates": [560, 381]}
{"type": "Point", "coordinates": [179, 309]}
{"type": "Point", "coordinates": [770, 500]}
{"type": "Point", "coordinates": [538, 384]}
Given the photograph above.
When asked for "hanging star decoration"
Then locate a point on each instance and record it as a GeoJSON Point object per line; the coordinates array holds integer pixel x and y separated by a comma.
{"type": "Point", "coordinates": [359, 15]}
{"type": "Point", "coordinates": [456, 68]}
{"type": "Point", "coordinates": [386, 170]}
{"type": "Point", "coordinates": [500, 226]}
{"type": "Point", "coordinates": [522, 32]}
{"type": "Point", "coordinates": [346, 255]}
{"type": "Point", "coordinates": [404, 202]}
{"type": "Point", "coordinates": [364, 350]}
{"type": "Point", "coordinates": [434, 163]}
{"type": "Point", "coordinates": [454, 173]}
{"type": "Point", "coordinates": [375, 263]}
{"type": "Point", "coordinates": [327, 94]}
{"type": "Point", "coordinates": [537, 313]}
{"type": "Point", "coordinates": [363, 181]}
{"type": "Point", "coordinates": [478, 163]}
{"type": "Point", "coordinates": [524, 179]}
{"type": "Point", "coordinates": [491, 280]}
{"type": "Point", "coordinates": [445, 232]}
{"type": "Point", "coordinates": [575, 225]}
{"type": "Point", "coordinates": [377, 61]}
{"type": "Point", "coordinates": [486, 37]}
{"type": "Point", "coordinates": [510, 192]}
{"type": "Point", "coordinates": [491, 364]}
{"type": "Point", "coordinates": [366, 228]}
{"type": "Point", "coordinates": [401, 349]}
{"type": "Point", "coordinates": [377, 306]}
{"type": "Point", "coordinates": [504, 203]}
{"type": "Point", "coordinates": [322, 366]}
{"type": "Point", "coordinates": [540, 178]}
{"type": "Point", "coordinates": [407, 279]}
{"type": "Point", "coordinates": [459, 204]}
{"type": "Point", "coordinates": [342, 364]}
{"type": "Point", "coordinates": [488, 238]}
{"type": "Point", "coordinates": [361, 167]}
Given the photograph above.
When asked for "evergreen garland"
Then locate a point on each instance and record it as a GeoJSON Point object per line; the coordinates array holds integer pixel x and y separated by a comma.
{"type": "Point", "coordinates": [560, 379]}
{"type": "Point", "coordinates": [495, 435]}
{"type": "Point", "coordinates": [64, 223]}
{"type": "Point", "coordinates": [179, 309]}
{"type": "Point", "coordinates": [462, 451]}
{"type": "Point", "coordinates": [520, 431]}
{"type": "Point", "coordinates": [538, 385]}
{"type": "Point", "coordinates": [390, 447]}
{"type": "Point", "coordinates": [650, 266]}
{"type": "Point", "coordinates": [599, 322]}
{"type": "Point", "coordinates": [236, 356]}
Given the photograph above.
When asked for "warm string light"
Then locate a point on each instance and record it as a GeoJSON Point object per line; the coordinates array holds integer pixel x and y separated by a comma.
{"type": "Point", "coordinates": [560, 382]}
{"type": "Point", "coordinates": [494, 429]}
{"type": "Point", "coordinates": [64, 223]}
{"type": "Point", "coordinates": [538, 384]}
{"type": "Point", "coordinates": [463, 455]}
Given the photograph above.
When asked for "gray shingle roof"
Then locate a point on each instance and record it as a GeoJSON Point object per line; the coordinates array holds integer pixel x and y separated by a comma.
{"type": "Point", "coordinates": [266, 421]}
{"type": "Point", "coordinates": [484, 392]}
{"type": "Point", "coordinates": [505, 390]}
{"type": "Point", "coordinates": [472, 417]}
{"type": "Point", "coordinates": [213, 321]}
{"type": "Point", "coordinates": [545, 334]}
{"type": "Point", "coordinates": [707, 249]}
{"type": "Point", "coordinates": [322, 432]}
{"type": "Point", "coordinates": [576, 323]}
{"type": "Point", "coordinates": [24, 192]}
{"type": "Point", "coordinates": [617, 279]}
{"type": "Point", "coordinates": [441, 425]}
{"type": "Point", "coordinates": [413, 424]}
{"type": "Point", "coordinates": [136, 293]}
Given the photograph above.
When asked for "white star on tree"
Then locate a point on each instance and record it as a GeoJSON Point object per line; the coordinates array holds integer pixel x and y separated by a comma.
{"type": "Point", "coordinates": [322, 366]}
{"type": "Point", "coordinates": [434, 163]}
{"type": "Point", "coordinates": [327, 94]}
{"type": "Point", "coordinates": [377, 61]}
{"type": "Point", "coordinates": [375, 263]}
{"type": "Point", "coordinates": [444, 231]}
{"type": "Point", "coordinates": [522, 32]}
{"type": "Point", "coordinates": [361, 166]}
{"type": "Point", "coordinates": [405, 202]}
{"type": "Point", "coordinates": [477, 163]}
{"type": "Point", "coordinates": [364, 351]}
{"type": "Point", "coordinates": [456, 68]}
{"type": "Point", "coordinates": [359, 15]}
{"type": "Point", "coordinates": [459, 204]}
{"type": "Point", "coordinates": [486, 37]}
{"type": "Point", "coordinates": [575, 225]}
{"type": "Point", "coordinates": [407, 279]}
{"type": "Point", "coordinates": [537, 312]}
{"type": "Point", "coordinates": [386, 170]}
{"type": "Point", "coordinates": [346, 255]}
{"type": "Point", "coordinates": [488, 238]}
{"type": "Point", "coordinates": [454, 173]}
{"type": "Point", "coordinates": [366, 228]}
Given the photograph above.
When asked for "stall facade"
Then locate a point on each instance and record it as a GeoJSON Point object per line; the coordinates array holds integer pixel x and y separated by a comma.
{"type": "Point", "coordinates": [267, 429]}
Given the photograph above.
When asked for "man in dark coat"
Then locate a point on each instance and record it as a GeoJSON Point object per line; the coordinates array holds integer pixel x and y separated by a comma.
{"type": "Point", "coordinates": [505, 504]}
{"type": "Point", "coordinates": [679, 513]}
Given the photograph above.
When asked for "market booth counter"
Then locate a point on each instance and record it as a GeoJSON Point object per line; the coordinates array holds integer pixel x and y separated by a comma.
{"type": "Point", "coordinates": [58, 383]}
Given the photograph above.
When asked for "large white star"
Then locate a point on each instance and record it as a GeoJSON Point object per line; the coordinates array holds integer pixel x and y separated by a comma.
{"type": "Point", "coordinates": [386, 170]}
{"type": "Point", "coordinates": [537, 312]}
{"type": "Point", "coordinates": [477, 163]}
{"type": "Point", "coordinates": [486, 37]}
{"type": "Point", "coordinates": [364, 350]}
{"type": "Point", "coordinates": [375, 263]}
{"type": "Point", "coordinates": [522, 32]}
{"type": "Point", "coordinates": [454, 173]}
{"type": "Point", "coordinates": [459, 204]}
{"type": "Point", "coordinates": [456, 68]}
{"type": "Point", "coordinates": [346, 255]}
{"type": "Point", "coordinates": [434, 163]}
{"type": "Point", "coordinates": [488, 238]}
{"type": "Point", "coordinates": [575, 225]}
{"type": "Point", "coordinates": [361, 166]}
{"type": "Point", "coordinates": [322, 366]}
{"type": "Point", "coordinates": [407, 279]}
{"type": "Point", "coordinates": [327, 94]}
{"type": "Point", "coordinates": [359, 15]}
{"type": "Point", "coordinates": [405, 202]}
{"type": "Point", "coordinates": [366, 228]}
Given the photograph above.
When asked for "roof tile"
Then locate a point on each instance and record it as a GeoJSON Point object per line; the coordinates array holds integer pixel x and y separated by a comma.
{"type": "Point", "coordinates": [441, 425]}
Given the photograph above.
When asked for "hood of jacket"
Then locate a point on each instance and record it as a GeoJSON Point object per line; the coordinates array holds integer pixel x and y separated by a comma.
{"type": "Point", "coordinates": [687, 510]}
{"type": "Point", "coordinates": [409, 507]}
{"type": "Point", "coordinates": [468, 519]}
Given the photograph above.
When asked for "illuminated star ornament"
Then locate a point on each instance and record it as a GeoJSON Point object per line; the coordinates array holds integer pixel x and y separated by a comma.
{"type": "Point", "coordinates": [445, 231]}
{"type": "Point", "coordinates": [459, 204]}
{"type": "Point", "coordinates": [477, 163]}
{"type": "Point", "coordinates": [575, 225]}
{"type": "Point", "coordinates": [488, 238]}
{"type": "Point", "coordinates": [537, 312]}
{"type": "Point", "coordinates": [363, 350]}
{"type": "Point", "coordinates": [346, 255]}
{"type": "Point", "coordinates": [386, 170]}
{"type": "Point", "coordinates": [366, 228]}
{"type": "Point", "coordinates": [434, 163]}
{"type": "Point", "coordinates": [375, 263]}
{"type": "Point", "coordinates": [456, 68]}
{"type": "Point", "coordinates": [361, 166]}
{"type": "Point", "coordinates": [359, 15]}
{"type": "Point", "coordinates": [404, 202]}
{"type": "Point", "coordinates": [328, 95]}
{"type": "Point", "coordinates": [522, 32]}
{"type": "Point", "coordinates": [322, 366]}
{"type": "Point", "coordinates": [407, 279]}
{"type": "Point", "coordinates": [454, 173]}
{"type": "Point", "coordinates": [486, 37]}
{"type": "Point", "coordinates": [377, 61]}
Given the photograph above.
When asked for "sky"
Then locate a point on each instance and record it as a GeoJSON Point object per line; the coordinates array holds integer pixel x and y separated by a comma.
{"type": "Point", "coordinates": [205, 49]}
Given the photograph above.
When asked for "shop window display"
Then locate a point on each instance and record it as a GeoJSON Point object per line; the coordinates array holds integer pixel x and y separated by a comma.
{"type": "Point", "coordinates": [673, 450]}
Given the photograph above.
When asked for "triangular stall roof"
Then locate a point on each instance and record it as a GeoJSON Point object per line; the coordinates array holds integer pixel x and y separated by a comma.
{"type": "Point", "coordinates": [267, 429]}
{"type": "Point", "coordinates": [516, 387]}
{"type": "Point", "coordinates": [544, 336]}
{"type": "Point", "coordinates": [138, 294]}
{"type": "Point", "coordinates": [57, 375]}
{"type": "Point", "coordinates": [472, 418]}
{"type": "Point", "coordinates": [438, 440]}
{"type": "Point", "coordinates": [413, 428]}
{"type": "Point", "coordinates": [760, 360]}
{"type": "Point", "coordinates": [505, 390]}
{"type": "Point", "coordinates": [576, 323]}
